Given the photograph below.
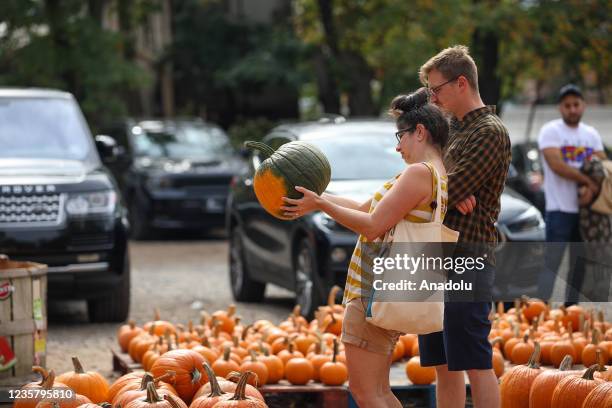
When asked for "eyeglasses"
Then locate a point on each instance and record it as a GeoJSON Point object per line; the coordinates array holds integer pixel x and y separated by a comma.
{"type": "Point", "coordinates": [436, 89]}
{"type": "Point", "coordinates": [400, 133]}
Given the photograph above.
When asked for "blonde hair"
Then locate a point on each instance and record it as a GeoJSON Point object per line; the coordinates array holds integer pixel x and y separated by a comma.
{"type": "Point", "coordinates": [452, 62]}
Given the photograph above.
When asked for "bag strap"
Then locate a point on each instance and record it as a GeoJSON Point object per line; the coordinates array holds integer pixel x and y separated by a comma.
{"type": "Point", "coordinates": [438, 179]}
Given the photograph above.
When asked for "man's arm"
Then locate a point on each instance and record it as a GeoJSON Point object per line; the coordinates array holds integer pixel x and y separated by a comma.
{"type": "Point", "coordinates": [476, 162]}
{"type": "Point", "coordinates": [554, 159]}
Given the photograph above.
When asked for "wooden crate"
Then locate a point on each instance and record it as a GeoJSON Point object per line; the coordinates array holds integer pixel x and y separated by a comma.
{"type": "Point", "coordinates": [23, 316]}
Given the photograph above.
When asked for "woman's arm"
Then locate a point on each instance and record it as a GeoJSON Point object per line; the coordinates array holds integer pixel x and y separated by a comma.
{"type": "Point", "coordinates": [409, 190]}
{"type": "Point", "coordinates": [347, 202]}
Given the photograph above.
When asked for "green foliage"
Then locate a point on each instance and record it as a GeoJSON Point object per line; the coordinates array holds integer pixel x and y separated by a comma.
{"type": "Point", "coordinates": [65, 48]}
{"type": "Point", "coordinates": [251, 129]}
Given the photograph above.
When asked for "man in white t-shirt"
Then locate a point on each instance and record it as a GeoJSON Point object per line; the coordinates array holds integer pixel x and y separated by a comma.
{"type": "Point", "coordinates": [566, 144]}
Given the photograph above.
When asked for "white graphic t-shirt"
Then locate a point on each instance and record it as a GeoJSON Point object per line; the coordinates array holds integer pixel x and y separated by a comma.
{"type": "Point", "coordinates": [577, 144]}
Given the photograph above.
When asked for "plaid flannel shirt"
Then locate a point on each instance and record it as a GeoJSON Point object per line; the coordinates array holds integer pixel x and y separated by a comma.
{"type": "Point", "coordinates": [477, 158]}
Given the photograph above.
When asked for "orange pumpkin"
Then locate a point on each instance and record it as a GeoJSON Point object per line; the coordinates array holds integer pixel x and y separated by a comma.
{"type": "Point", "coordinates": [257, 367]}
{"type": "Point", "coordinates": [224, 364]}
{"type": "Point", "coordinates": [498, 363]}
{"type": "Point", "coordinates": [74, 402]}
{"type": "Point", "coordinates": [126, 333]}
{"type": "Point", "coordinates": [333, 372]}
{"type": "Point", "coordinates": [188, 366]}
{"type": "Point", "coordinates": [225, 318]}
{"type": "Point", "coordinates": [599, 397]}
{"type": "Point", "coordinates": [153, 400]}
{"type": "Point", "coordinates": [90, 384]}
{"type": "Point", "coordinates": [408, 340]}
{"type": "Point", "coordinates": [543, 386]}
{"type": "Point", "coordinates": [522, 351]}
{"type": "Point", "coordinates": [516, 383]}
{"type": "Point", "coordinates": [47, 382]}
{"type": "Point", "coordinates": [573, 390]}
{"type": "Point", "coordinates": [122, 382]}
{"type": "Point", "coordinates": [276, 367]}
{"type": "Point", "coordinates": [240, 398]}
{"type": "Point", "coordinates": [159, 327]}
{"type": "Point", "coordinates": [419, 375]}
{"type": "Point", "coordinates": [129, 393]}
{"type": "Point", "coordinates": [589, 352]}
{"type": "Point", "coordinates": [299, 371]}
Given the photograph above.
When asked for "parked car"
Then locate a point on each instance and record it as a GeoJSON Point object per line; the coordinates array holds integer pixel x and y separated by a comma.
{"type": "Point", "coordinates": [526, 176]}
{"type": "Point", "coordinates": [311, 254]}
{"type": "Point", "coordinates": [174, 174]}
{"type": "Point", "coordinates": [59, 205]}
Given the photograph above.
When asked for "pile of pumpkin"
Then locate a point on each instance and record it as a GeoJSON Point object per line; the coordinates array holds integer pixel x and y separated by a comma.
{"type": "Point", "coordinates": [89, 389]}
{"type": "Point", "coordinates": [530, 334]}
{"type": "Point", "coordinates": [296, 350]}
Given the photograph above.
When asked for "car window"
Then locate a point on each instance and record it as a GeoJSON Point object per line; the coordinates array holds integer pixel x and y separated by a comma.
{"type": "Point", "coordinates": [181, 141]}
{"type": "Point", "coordinates": [361, 155]}
{"type": "Point", "coordinates": [44, 128]}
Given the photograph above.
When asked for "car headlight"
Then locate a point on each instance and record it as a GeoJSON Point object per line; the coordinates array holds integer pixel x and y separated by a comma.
{"type": "Point", "coordinates": [529, 220]}
{"type": "Point", "coordinates": [100, 202]}
{"type": "Point", "coordinates": [325, 221]}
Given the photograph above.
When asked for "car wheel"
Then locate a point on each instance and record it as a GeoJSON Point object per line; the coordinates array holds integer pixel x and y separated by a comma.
{"type": "Point", "coordinates": [139, 226]}
{"type": "Point", "coordinates": [115, 306]}
{"type": "Point", "coordinates": [307, 293]}
{"type": "Point", "coordinates": [244, 289]}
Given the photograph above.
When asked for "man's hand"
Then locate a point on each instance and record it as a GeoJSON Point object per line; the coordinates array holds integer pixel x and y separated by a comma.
{"type": "Point", "coordinates": [585, 196]}
{"type": "Point", "coordinates": [466, 206]}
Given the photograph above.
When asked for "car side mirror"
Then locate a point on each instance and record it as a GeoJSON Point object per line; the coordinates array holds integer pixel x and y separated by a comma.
{"type": "Point", "coordinates": [107, 148]}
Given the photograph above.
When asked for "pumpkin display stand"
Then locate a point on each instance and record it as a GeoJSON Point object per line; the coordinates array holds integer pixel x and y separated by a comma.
{"type": "Point", "coordinates": [23, 321]}
{"type": "Point", "coordinates": [316, 394]}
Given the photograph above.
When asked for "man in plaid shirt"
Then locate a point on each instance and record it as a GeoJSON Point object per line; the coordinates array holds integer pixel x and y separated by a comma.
{"type": "Point", "coordinates": [477, 160]}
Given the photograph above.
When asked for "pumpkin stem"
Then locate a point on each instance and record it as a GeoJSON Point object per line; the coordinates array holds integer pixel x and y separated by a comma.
{"type": "Point", "coordinates": [156, 315]}
{"type": "Point", "coordinates": [588, 374]}
{"type": "Point", "coordinates": [566, 363]}
{"type": "Point", "coordinates": [43, 373]}
{"type": "Point", "coordinates": [253, 355]}
{"type": "Point", "coordinates": [265, 351]}
{"type": "Point", "coordinates": [500, 308]}
{"type": "Point", "coordinates": [78, 368]}
{"type": "Point", "coordinates": [146, 379]}
{"type": "Point", "coordinates": [105, 405]}
{"type": "Point", "coordinates": [600, 360]}
{"type": "Point", "coordinates": [535, 357]}
{"type": "Point", "coordinates": [231, 310]}
{"type": "Point", "coordinates": [297, 311]}
{"type": "Point", "coordinates": [335, 351]}
{"type": "Point", "coordinates": [132, 324]}
{"type": "Point", "coordinates": [262, 147]}
{"type": "Point", "coordinates": [204, 317]}
{"type": "Point", "coordinates": [205, 342]}
{"type": "Point", "coordinates": [172, 401]}
{"type": "Point", "coordinates": [496, 340]}
{"type": "Point", "coordinates": [47, 382]}
{"type": "Point", "coordinates": [152, 395]}
{"type": "Point", "coordinates": [240, 393]}
{"type": "Point", "coordinates": [169, 374]}
{"type": "Point", "coordinates": [226, 353]}
{"type": "Point", "coordinates": [152, 330]}
{"type": "Point", "coordinates": [331, 298]}
{"type": "Point", "coordinates": [215, 389]}
{"type": "Point", "coordinates": [245, 332]}
{"type": "Point", "coordinates": [235, 341]}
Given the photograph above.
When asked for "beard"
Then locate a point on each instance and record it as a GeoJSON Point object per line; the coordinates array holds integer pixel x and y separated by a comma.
{"type": "Point", "coordinates": [572, 120]}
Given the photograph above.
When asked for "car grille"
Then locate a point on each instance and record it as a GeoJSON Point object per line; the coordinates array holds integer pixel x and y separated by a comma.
{"type": "Point", "coordinates": [23, 210]}
{"type": "Point", "coordinates": [103, 239]}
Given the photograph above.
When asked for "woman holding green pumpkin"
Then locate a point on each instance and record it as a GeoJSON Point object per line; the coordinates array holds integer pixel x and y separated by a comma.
{"type": "Point", "coordinates": [422, 134]}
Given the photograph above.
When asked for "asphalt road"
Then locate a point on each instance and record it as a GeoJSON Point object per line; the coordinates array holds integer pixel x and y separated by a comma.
{"type": "Point", "coordinates": [180, 277]}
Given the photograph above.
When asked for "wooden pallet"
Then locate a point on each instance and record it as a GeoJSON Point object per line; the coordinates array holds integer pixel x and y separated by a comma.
{"type": "Point", "coordinates": [316, 395]}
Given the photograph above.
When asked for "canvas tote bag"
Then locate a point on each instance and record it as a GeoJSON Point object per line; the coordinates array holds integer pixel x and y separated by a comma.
{"type": "Point", "coordinates": [421, 317]}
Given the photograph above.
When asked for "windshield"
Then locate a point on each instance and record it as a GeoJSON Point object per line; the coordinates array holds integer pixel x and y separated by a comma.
{"type": "Point", "coordinates": [42, 128]}
{"type": "Point", "coordinates": [361, 156]}
{"type": "Point", "coordinates": [184, 141]}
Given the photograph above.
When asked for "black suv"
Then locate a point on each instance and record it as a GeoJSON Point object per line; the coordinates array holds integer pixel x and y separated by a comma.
{"type": "Point", "coordinates": [173, 174]}
{"type": "Point", "coordinates": [312, 253]}
{"type": "Point", "coordinates": [59, 205]}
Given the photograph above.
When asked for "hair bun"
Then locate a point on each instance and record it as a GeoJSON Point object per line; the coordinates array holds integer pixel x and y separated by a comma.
{"type": "Point", "coordinates": [415, 100]}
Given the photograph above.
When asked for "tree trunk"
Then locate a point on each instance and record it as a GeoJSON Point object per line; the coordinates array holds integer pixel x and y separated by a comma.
{"type": "Point", "coordinates": [360, 76]}
{"type": "Point", "coordinates": [486, 50]}
{"type": "Point", "coordinates": [57, 19]}
{"type": "Point", "coordinates": [329, 96]}
{"type": "Point", "coordinates": [96, 10]}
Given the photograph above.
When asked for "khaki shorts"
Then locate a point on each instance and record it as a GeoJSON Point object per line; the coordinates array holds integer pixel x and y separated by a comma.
{"type": "Point", "coordinates": [358, 332]}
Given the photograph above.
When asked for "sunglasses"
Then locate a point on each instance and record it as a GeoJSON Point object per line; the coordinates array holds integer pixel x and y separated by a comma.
{"type": "Point", "coordinates": [400, 133]}
{"type": "Point", "coordinates": [436, 89]}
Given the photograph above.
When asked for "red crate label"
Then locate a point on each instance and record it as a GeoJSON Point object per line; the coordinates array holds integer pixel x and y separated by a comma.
{"type": "Point", "coordinates": [5, 290]}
